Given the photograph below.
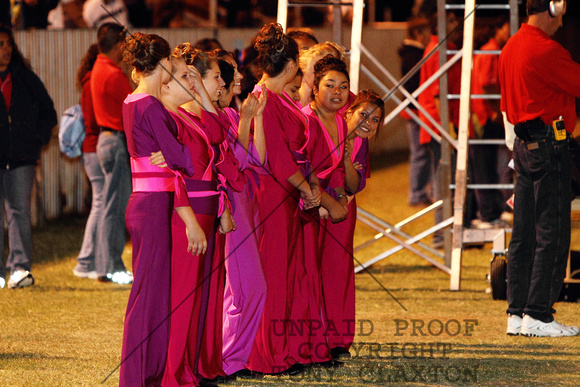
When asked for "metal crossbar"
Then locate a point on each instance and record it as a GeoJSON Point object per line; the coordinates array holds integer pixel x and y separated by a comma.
{"type": "Point", "coordinates": [387, 230]}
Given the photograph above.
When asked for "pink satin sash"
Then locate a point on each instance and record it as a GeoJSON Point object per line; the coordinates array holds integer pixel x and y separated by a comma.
{"type": "Point", "coordinates": [151, 178]}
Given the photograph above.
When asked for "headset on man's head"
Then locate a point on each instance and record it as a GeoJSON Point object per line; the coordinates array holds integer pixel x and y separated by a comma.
{"type": "Point", "coordinates": [557, 8]}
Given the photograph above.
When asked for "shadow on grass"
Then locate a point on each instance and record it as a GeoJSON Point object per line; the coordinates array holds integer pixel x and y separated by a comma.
{"type": "Point", "coordinates": [32, 356]}
{"type": "Point", "coordinates": [106, 287]}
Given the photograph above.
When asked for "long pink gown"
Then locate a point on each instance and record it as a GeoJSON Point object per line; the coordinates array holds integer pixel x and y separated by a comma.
{"type": "Point", "coordinates": [338, 265]}
{"type": "Point", "coordinates": [245, 292]}
{"type": "Point", "coordinates": [189, 273]}
{"type": "Point", "coordinates": [149, 128]}
{"type": "Point", "coordinates": [278, 234]}
{"type": "Point", "coordinates": [328, 165]}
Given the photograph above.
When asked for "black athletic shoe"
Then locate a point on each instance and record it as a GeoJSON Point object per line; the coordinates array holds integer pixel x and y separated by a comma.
{"type": "Point", "coordinates": [340, 353]}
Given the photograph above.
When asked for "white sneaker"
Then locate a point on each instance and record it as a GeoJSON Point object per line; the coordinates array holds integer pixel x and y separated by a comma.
{"type": "Point", "coordinates": [2, 282]}
{"type": "Point", "coordinates": [20, 279]}
{"type": "Point", "coordinates": [85, 274]}
{"type": "Point", "coordinates": [567, 328]}
{"type": "Point", "coordinates": [121, 277]}
{"type": "Point", "coordinates": [536, 328]}
{"type": "Point", "coordinates": [514, 325]}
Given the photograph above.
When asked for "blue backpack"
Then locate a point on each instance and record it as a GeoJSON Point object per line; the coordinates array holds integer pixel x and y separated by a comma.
{"type": "Point", "coordinates": [71, 132]}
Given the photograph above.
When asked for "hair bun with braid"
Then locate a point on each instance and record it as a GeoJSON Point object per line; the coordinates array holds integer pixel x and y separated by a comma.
{"type": "Point", "coordinates": [144, 51]}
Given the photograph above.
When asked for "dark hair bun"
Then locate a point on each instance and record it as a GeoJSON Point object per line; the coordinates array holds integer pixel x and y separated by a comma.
{"type": "Point", "coordinates": [271, 39]}
{"type": "Point", "coordinates": [144, 51]}
{"type": "Point", "coordinates": [274, 49]}
{"type": "Point", "coordinates": [329, 62]}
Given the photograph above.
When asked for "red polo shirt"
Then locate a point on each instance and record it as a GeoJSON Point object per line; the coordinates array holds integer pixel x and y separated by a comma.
{"type": "Point", "coordinates": [109, 88]}
{"type": "Point", "coordinates": [427, 98]}
{"type": "Point", "coordinates": [484, 74]}
{"type": "Point", "coordinates": [538, 78]}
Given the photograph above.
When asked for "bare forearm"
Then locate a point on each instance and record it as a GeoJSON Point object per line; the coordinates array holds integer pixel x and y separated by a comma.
{"type": "Point", "coordinates": [259, 138]}
{"type": "Point", "coordinates": [299, 182]}
{"type": "Point", "coordinates": [244, 132]}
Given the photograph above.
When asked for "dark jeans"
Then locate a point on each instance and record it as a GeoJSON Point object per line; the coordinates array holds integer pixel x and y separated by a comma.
{"type": "Point", "coordinates": [540, 240]}
{"type": "Point", "coordinates": [420, 165]}
{"type": "Point", "coordinates": [489, 165]}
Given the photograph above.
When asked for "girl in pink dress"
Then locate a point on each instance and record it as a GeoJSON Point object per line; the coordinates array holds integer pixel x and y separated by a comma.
{"type": "Point", "coordinates": [188, 274]}
{"type": "Point", "coordinates": [363, 118]}
{"type": "Point", "coordinates": [149, 128]}
{"type": "Point", "coordinates": [210, 353]}
{"type": "Point", "coordinates": [278, 197]}
{"type": "Point", "coordinates": [244, 299]}
{"type": "Point", "coordinates": [327, 133]}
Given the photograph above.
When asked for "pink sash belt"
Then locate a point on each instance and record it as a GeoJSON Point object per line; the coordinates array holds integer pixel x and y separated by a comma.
{"type": "Point", "coordinates": [151, 178]}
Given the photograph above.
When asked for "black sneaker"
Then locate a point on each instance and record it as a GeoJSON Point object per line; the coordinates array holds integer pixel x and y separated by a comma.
{"type": "Point", "coordinates": [340, 353]}
{"type": "Point", "coordinates": [247, 374]}
{"type": "Point", "coordinates": [295, 369]}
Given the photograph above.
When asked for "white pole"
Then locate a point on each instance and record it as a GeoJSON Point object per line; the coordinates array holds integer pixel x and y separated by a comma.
{"type": "Point", "coordinates": [283, 13]}
{"type": "Point", "coordinates": [461, 170]}
{"type": "Point", "coordinates": [355, 43]}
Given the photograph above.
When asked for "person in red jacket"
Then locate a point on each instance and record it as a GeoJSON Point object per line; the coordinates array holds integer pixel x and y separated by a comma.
{"type": "Point", "coordinates": [85, 267]}
{"type": "Point", "coordinates": [109, 88]}
{"type": "Point", "coordinates": [539, 83]}
{"type": "Point", "coordinates": [429, 99]}
{"type": "Point", "coordinates": [489, 162]}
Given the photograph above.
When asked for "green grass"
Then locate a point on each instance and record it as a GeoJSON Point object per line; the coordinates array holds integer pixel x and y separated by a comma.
{"type": "Point", "coordinates": [66, 331]}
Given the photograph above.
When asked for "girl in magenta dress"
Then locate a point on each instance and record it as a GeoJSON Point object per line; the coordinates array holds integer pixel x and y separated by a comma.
{"type": "Point", "coordinates": [278, 197]}
{"type": "Point", "coordinates": [149, 128]}
{"type": "Point", "coordinates": [210, 353]}
{"type": "Point", "coordinates": [363, 117]}
{"type": "Point", "coordinates": [327, 134]}
{"type": "Point", "coordinates": [188, 274]}
{"type": "Point", "coordinates": [243, 299]}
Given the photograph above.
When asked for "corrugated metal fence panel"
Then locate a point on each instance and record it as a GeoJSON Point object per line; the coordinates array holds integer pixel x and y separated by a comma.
{"type": "Point", "coordinates": [55, 57]}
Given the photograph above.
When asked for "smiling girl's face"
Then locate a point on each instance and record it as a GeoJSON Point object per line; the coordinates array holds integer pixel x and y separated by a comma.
{"type": "Point", "coordinates": [365, 120]}
{"type": "Point", "coordinates": [213, 81]}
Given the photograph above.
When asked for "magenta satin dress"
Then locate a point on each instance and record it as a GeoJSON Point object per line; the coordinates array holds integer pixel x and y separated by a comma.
{"type": "Point", "coordinates": [149, 128]}
{"type": "Point", "coordinates": [278, 234]}
{"type": "Point", "coordinates": [338, 264]}
{"type": "Point", "coordinates": [328, 165]}
{"type": "Point", "coordinates": [189, 273]}
{"type": "Point", "coordinates": [245, 291]}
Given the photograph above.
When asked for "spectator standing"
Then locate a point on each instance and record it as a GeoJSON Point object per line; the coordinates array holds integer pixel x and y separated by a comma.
{"type": "Point", "coordinates": [85, 267]}
{"type": "Point", "coordinates": [429, 99]}
{"type": "Point", "coordinates": [27, 117]}
{"type": "Point", "coordinates": [109, 88]}
{"type": "Point", "coordinates": [411, 53]}
{"type": "Point", "coordinates": [539, 83]}
{"type": "Point", "coordinates": [489, 161]}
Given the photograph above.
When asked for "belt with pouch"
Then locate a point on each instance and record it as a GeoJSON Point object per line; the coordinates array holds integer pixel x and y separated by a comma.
{"type": "Point", "coordinates": [109, 130]}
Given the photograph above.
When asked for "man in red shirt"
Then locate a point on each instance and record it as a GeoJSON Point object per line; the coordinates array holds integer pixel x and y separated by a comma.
{"type": "Point", "coordinates": [539, 82]}
{"type": "Point", "coordinates": [109, 88]}
{"type": "Point", "coordinates": [489, 162]}
{"type": "Point", "coordinates": [429, 99]}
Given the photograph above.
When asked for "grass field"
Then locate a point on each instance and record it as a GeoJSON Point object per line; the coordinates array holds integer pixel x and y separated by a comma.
{"type": "Point", "coordinates": [66, 331]}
